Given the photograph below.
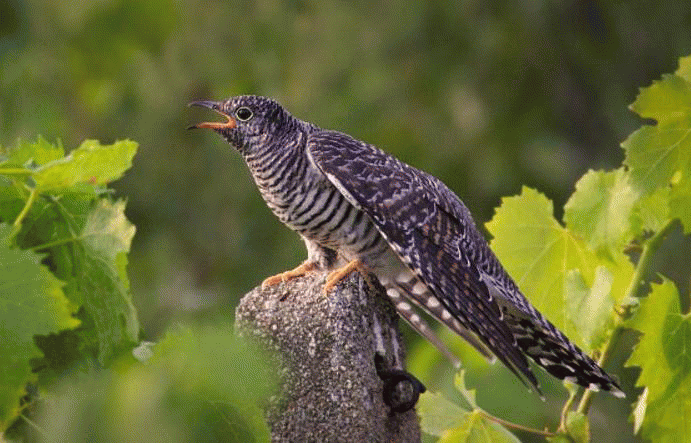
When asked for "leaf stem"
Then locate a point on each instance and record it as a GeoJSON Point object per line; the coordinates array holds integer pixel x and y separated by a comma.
{"type": "Point", "coordinates": [33, 425]}
{"type": "Point", "coordinates": [644, 262]}
{"type": "Point", "coordinates": [633, 293]}
{"type": "Point", "coordinates": [15, 171]}
{"type": "Point", "coordinates": [17, 225]}
{"type": "Point", "coordinates": [508, 424]}
{"type": "Point", "coordinates": [573, 394]}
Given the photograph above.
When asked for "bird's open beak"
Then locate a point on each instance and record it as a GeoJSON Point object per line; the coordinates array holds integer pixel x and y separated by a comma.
{"type": "Point", "coordinates": [229, 124]}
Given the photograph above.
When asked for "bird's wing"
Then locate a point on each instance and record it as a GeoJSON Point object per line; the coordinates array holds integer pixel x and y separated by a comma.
{"type": "Point", "coordinates": [427, 226]}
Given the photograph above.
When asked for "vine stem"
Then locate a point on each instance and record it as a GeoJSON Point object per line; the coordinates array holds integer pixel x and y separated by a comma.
{"type": "Point", "coordinates": [508, 424]}
{"type": "Point", "coordinates": [15, 171]}
{"type": "Point", "coordinates": [630, 299]}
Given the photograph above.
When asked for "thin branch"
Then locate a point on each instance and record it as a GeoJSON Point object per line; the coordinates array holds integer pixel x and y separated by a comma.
{"type": "Point", "coordinates": [508, 424]}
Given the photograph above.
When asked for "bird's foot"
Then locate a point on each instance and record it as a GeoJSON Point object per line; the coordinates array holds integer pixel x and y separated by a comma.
{"type": "Point", "coordinates": [283, 277]}
{"type": "Point", "coordinates": [335, 277]}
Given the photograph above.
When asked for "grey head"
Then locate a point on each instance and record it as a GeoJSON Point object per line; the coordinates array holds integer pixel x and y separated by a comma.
{"type": "Point", "coordinates": [251, 121]}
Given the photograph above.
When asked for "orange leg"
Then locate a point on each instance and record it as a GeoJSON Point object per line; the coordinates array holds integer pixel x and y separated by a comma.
{"type": "Point", "coordinates": [335, 277]}
{"type": "Point", "coordinates": [301, 270]}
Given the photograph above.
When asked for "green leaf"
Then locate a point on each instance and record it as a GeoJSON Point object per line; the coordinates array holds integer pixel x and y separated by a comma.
{"type": "Point", "coordinates": [655, 153]}
{"type": "Point", "coordinates": [476, 428]}
{"type": "Point", "coordinates": [651, 212]}
{"type": "Point", "coordinates": [638, 414]}
{"type": "Point", "coordinates": [577, 429]}
{"type": "Point", "coordinates": [91, 163]}
{"type": "Point", "coordinates": [91, 257]}
{"type": "Point", "coordinates": [589, 309]}
{"type": "Point", "coordinates": [684, 70]}
{"type": "Point", "coordinates": [664, 356]}
{"type": "Point", "coordinates": [667, 100]}
{"type": "Point", "coordinates": [600, 209]}
{"type": "Point", "coordinates": [39, 153]}
{"type": "Point", "coordinates": [437, 414]}
{"type": "Point", "coordinates": [680, 204]}
{"type": "Point", "coordinates": [660, 155]}
{"type": "Point", "coordinates": [445, 419]}
{"type": "Point", "coordinates": [538, 251]}
{"type": "Point", "coordinates": [105, 242]}
{"type": "Point", "coordinates": [31, 303]}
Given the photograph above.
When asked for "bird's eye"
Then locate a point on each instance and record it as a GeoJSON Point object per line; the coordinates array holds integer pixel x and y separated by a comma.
{"type": "Point", "coordinates": [244, 114]}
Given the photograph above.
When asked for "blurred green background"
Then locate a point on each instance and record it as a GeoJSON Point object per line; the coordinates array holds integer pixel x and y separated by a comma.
{"type": "Point", "coordinates": [488, 95]}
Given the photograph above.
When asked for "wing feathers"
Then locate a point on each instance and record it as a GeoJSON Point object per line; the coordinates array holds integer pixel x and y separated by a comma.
{"type": "Point", "coordinates": [425, 224]}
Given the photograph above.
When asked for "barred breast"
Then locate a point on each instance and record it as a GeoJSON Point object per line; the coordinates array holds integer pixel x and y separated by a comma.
{"type": "Point", "coordinates": [306, 201]}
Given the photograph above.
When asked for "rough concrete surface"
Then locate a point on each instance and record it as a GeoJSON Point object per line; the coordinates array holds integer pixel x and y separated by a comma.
{"type": "Point", "coordinates": [325, 347]}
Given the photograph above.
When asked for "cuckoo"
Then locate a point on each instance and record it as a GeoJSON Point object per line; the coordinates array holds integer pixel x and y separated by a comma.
{"type": "Point", "coordinates": [357, 207]}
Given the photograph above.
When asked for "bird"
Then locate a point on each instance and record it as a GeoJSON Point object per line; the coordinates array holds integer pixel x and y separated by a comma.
{"type": "Point", "coordinates": [358, 208]}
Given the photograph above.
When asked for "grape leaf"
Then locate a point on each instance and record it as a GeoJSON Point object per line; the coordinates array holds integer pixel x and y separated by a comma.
{"type": "Point", "coordinates": [91, 257]}
{"type": "Point", "coordinates": [31, 302]}
{"type": "Point", "coordinates": [680, 204]}
{"type": "Point", "coordinates": [664, 356]}
{"type": "Point", "coordinates": [104, 242]}
{"type": "Point", "coordinates": [90, 163]}
{"type": "Point", "coordinates": [39, 152]}
{"type": "Point", "coordinates": [589, 309]}
{"type": "Point", "coordinates": [577, 427]}
{"type": "Point", "coordinates": [476, 428]}
{"type": "Point", "coordinates": [660, 155]}
{"type": "Point", "coordinates": [538, 251]}
{"type": "Point", "coordinates": [655, 153]}
{"type": "Point", "coordinates": [437, 414]}
{"type": "Point", "coordinates": [445, 419]}
{"type": "Point", "coordinates": [651, 212]}
{"type": "Point", "coordinates": [667, 100]}
{"type": "Point", "coordinates": [600, 209]}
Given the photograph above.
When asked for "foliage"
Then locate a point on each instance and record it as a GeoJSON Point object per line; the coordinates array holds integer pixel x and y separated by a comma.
{"type": "Point", "coordinates": [200, 385]}
{"type": "Point", "coordinates": [70, 329]}
{"type": "Point", "coordinates": [64, 245]}
{"type": "Point", "coordinates": [581, 276]}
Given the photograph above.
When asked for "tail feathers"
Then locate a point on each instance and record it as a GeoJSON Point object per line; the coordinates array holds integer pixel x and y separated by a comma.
{"type": "Point", "coordinates": [549, 348]}
{"type": "Point", "coordinates": [417, 293]}
{"type": "Point", "coordinates": [407, 312]}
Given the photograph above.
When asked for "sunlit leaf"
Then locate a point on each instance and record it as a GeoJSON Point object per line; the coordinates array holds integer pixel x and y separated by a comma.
{"type": "Point", "coordinates": [664, 356]}
{"type": "Point", "coordinates": [476, 428]}
{"type": "Point", "coordinates": [589, 308]}
{"type": "Point", "coordinates": [651, 212]}
{"type": "Point", "coordinates": [666, 100]}
{"type": "Point", "coordinates": [538, 251]}
{"type": "Point", "coordinates": [37, 153]}
{"type": "Point", "coordinates": [680, 204]}
{"type": "Point", "coordinates": [660, 155]}
{"type": "Point", "coordinates": [655, 153]}
{"type": "Point", "coordinates": [600, 209]}
{"type": "Point", "coordinates": [437, 414]}
{"type": "Point", "coordinates": [90, 163]}
{"type": "Point", "coordinates": [577, 430]}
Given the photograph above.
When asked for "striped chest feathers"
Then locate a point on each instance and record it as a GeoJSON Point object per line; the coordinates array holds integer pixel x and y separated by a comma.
{"type": "Point", "coordinates": [308, 203]}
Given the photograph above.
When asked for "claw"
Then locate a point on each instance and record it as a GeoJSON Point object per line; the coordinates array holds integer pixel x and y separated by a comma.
{"type": "Point", "coordinates": [283, 277]}
{"type": "Point", "coordinates": [335, 277]}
